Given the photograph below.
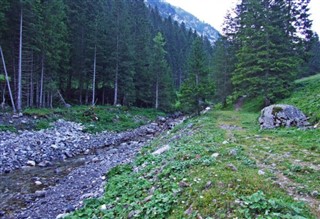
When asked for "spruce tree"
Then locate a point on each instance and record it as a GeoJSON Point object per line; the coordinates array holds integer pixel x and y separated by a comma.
{"type": "Point", "coordinates": [267, 58]}
{"type": "Point", "coordinates": [222, 67]}
{"type": "Point", "coordinates": [198, 88]}
{"type": "Point", "coordinates": [161, 77]}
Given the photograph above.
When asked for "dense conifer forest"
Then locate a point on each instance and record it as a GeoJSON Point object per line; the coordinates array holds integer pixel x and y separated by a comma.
{"type": "Point", "coordinates": [123, 52]}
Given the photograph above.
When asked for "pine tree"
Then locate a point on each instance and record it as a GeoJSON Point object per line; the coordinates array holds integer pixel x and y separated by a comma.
{"type": "Point", "coordinates": [267, 59]}
{"type": "Point", "coordinates": [312, 65]}
{"type": "Point", "coordinates": [198, 88]}
{"type": "Point", "coordinates": [223, 66]}
{"type": "Point", "coordinates": [161, 78]}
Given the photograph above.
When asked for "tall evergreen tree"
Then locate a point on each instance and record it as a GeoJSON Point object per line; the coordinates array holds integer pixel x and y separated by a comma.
{"type": "Point", "coordinates": [267, 61]}
{"type": "Point", "coordinates": [199, 87]}
{"type": "Point", "coordinates": [161, 78]}
{"type": "Point", "coordinates": [223, 65]}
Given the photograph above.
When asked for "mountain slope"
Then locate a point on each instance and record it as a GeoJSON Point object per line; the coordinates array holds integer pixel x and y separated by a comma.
{"type": "Point", "coordinates": [180, 15]}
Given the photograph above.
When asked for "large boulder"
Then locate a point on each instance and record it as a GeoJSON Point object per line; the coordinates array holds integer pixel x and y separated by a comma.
{"type": "Point", "coordinates": [281, 115]}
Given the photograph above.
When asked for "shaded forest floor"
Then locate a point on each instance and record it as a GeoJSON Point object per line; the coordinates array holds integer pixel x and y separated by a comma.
{"type": "Point", "coordinates": [95, 119]}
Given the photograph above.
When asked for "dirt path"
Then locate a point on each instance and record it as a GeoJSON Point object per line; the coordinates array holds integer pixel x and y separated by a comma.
{"type": "Point", "coordinates": [268, 161]}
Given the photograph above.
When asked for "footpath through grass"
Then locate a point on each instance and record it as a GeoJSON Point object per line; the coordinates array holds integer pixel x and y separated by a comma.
{"type": "Point", "coordinates": [219, 165]}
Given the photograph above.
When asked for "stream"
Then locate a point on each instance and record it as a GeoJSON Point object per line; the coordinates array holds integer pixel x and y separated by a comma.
{"type": "Point", "coordinates": [55, 190]}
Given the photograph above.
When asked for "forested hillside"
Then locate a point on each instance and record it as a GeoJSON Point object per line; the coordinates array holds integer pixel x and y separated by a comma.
{"type": "Point", "coordinates": [181, 16]}
{"type": "Point", "coordinates": [91, 52]}
{"type": "Point", "coordinates": [122, 52]}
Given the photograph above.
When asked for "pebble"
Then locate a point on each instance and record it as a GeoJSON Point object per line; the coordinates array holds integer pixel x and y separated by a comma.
{"type": "Point", "coordinates": [40, 194]}
{"type": "Point", "coordinates": [233, 152]}
{"type": "Point", "coordinates": [215, 155]}
{"type": "Point", "coordinates": [70, 208]}
{"type": "Point", "coordinates": [31, 163]}
{"type": "Point", "coordinates": [315, 193]}
{"type": "Point", "coordinates": [232, 167]}
{"type": "Point", "coordinates": [261, 172]}
{"type": "Point", "coordinates": [38, 183]}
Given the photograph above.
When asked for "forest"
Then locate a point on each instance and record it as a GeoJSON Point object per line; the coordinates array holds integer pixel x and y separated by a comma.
{"type": "Point", "coordinates": [123, 52]}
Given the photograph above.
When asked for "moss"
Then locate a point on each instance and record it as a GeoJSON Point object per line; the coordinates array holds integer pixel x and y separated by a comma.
{"type": "Point", "coordinates": [276, 110]}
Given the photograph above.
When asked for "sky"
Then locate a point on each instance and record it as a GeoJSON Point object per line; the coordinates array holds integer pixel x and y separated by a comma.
{"type": "Point", "coordinates": [213, 11]}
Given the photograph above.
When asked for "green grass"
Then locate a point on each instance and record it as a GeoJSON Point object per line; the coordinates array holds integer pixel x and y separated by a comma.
{"type": "Point", "coordinates": [307, 97]}
{"type": "Point", "coordinates": [188, 178]}
{"type": "Point", "coordinates": [7, 128]}
{"type": "Point", "coordinates": [96, 119]}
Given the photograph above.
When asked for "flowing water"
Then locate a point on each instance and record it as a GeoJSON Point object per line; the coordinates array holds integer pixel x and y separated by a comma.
{"type": "Point", "coordinates": [17, 188]}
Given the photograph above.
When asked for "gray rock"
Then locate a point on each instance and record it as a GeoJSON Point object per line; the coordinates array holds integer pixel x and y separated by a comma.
{"type": "Point", "coordinates": [232, 167]}
{"type": "Point", "coordinates": [40, 194]}
{"type": "Point", "coordinates": [281, 115]}
{"type": "Point", "coordinates": [161, 150]}
{"type": "Point", "coordinates": [31, 163]}
{"type": "Point", "coordinates": [233, 152]}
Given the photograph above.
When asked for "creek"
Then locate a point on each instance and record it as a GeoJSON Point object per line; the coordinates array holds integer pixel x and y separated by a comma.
{"type": "Point", "coordinates": [47, 192]}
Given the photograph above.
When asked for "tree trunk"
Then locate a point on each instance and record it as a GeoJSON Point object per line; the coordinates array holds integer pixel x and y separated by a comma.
{"type": "Point", "coordinates": [7, 80]}
{"type": "Point", "coordinates": [115, 100]}
{"type": "Point", "coordinates": [41, 83]}
{"type": "Point", "coordinates": [87, 95]}
{"type": "Point", "coordinates": [62, 100]}
{"type": "Point", "coordinates": [157, 94]}
{"type": "Point", "coordinates": [94, 76]}
{"type": "Point", "coordinates": [103, 95]}
{"type": "Point", "coordinates": [31, 85]}
{"type": "Point", "coordinates": [51, 100]}
{"type": "Point", "coordinates": [37, 92]}
{"type": "Point", "coordinates": [19, 98]}
{"type": "Point", "coordinates": [3, 97]}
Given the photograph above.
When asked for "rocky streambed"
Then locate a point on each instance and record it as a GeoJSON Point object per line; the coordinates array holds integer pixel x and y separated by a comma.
{"type": "Point", "coordinates": [48, 173]}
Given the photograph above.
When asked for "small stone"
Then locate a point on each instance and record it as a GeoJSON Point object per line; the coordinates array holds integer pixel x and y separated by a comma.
{"type": "Point", "coordinates": [86, 152]}
{"type": "Point", "coordinates": [215, 155]}
{"type": "Point", "coordinates": [133, 213]}
{"type": "Point", "coordinates": [45, 163]}
{"type": "Point", "coordinates": [183, 184]}
{"type": "Point", "coordinates": [189, 210]}
{"type": "Point", "coordinates": [199, 216]}
{"type": "Point", "coordinates": [225, 142]}
{"type": "Point", "coordinates": [31, 163]}
{"type": "Point", "coordinates": [70, 208]}
{"type": "Point", "coordinates": [261, 172]}
{"type": "Point", "coordinates": [315, 193]}
{"type": "Point", "coordinates": [54, 146]}
{"type": "Point", "coordinates": [161, 150]}
{"type": "Point", "coordinates": [60, 216]}
{"type": "Point", "coordinates": [87, 195]}
{"type": "Point", "coordinates": [103, 207]}
{"type": "Point", "coordinates": [148, 198]}
{"type": "Point", "coordinates": [208, 185]}
{"type": "Point", "coordinates": [232, 167]}
{"type": "Point", "coordinates": [233, 152]}
{"type": "Point", "coordinates": [152, 190]}
{"type": "Point", "coordinates": [38, 183]}
{"type": "Point", "coordinates": [40, 194]}
{"type": "Point", "coordinates": [95, 159]}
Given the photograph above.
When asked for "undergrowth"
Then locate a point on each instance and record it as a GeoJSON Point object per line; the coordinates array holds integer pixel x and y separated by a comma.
{"type": "Point", "coordinates": [96, 119]}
